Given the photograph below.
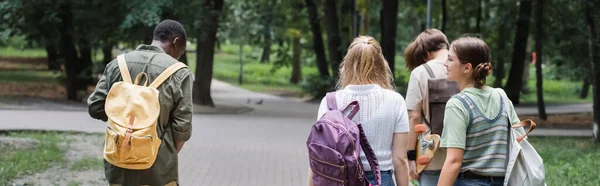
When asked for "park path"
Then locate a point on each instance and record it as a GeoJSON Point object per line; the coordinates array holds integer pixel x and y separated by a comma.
{"type": "Point", "coordinates": [249, 139]}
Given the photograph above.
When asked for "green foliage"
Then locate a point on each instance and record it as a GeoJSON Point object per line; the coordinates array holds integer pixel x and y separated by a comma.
{"type": "Point", "coordinates": [314, 84]}
{"type": "Point", "coordinates": [22, 52]}
{"type": "Point", "coordinates": [87, 164]}
{"type": "Point", "coordinates": [16, 161]}
{"type": "Point", "coordinates": [569, 161]}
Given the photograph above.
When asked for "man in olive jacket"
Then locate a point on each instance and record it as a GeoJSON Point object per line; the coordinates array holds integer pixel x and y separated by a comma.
{"type": "Point", "coordinates": [174, 125]}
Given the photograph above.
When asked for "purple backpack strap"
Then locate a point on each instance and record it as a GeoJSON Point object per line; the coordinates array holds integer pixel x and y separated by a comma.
{"type": "Point", "coordinates": [331, 102]}
{"type": "Point", "coordinates": [332, 105]}
{"type": "Point", "coordinates": [370, 155]}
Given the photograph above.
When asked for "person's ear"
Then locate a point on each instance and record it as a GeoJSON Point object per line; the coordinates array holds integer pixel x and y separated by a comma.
{"type": "Point", "coordinates": [175, 42]}
{"type": "Point", "coordinates": [468, 67]}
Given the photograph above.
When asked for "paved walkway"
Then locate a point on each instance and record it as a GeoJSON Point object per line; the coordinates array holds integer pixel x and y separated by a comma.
{"type": "Point", "coordinates": [248, 144]}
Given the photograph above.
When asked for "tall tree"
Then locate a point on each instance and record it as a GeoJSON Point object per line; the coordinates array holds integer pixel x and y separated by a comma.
{"type": "Point", "coordinates": [585, 89]}
{"type": "Point", "coordinates": [514, 85]}
{"type": "Point", "coordinates": [68, 49]}
{"type": "Point", "coordinates": [595, 64]}
{"type": "Point", "coordinates": [444, 16]}
{"type": "Point", "coordinates": [538, 62]}
{"type": "Point", "coordinates": [315, 27]}
{"type": "Point", "coordinates": [479, 14]}
{"type": "Point", "coordinates": [205, 51]}
{"type": "Point", "coordinates": [297, 52]}
{"type": "Point", "coordinates": [52, 53]}
{"type": "Point", "coordinates": [499, 69]}
{"type": "Point", "coordinates": [333, 36]}
{"type": "Point", "coordinates": [267, 36]}
{"type": "Point", "coordinates": [346, 24]}
{"type": "Point", "coordinates": [389, 16]}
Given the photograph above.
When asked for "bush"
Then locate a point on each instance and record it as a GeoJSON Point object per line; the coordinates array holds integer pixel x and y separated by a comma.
{"type": "Point", "coordinates": [317, 85]}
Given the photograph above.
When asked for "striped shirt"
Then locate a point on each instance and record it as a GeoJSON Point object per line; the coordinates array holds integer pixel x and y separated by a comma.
{"type": "Point", "coordinates": [481, 133]}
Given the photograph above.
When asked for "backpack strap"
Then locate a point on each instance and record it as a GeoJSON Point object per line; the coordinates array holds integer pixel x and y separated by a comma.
{"type": "Point", "coordinates": [366, 147]}
{"type": "Point", "coordinates": [429, 71]}
{"type": "Point", "coordinates": [331, 102]}
{"type": "Point", "coordinates": [123, 67]}
{"type": "Point", "coordinates": [166, 74]}
{"type": "Point", "coordinates": [431, 75]}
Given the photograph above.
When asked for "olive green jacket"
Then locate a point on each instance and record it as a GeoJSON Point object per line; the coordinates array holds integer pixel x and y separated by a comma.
{"type": "Point", "coordinates": [174, 122]}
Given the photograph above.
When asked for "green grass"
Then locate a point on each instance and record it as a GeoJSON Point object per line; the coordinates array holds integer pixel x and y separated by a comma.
{"type": "Point", "coordinates": [24, 53]}
{"type": "Point", "coordinates": [569, 161]}
{"type": "Point", "coordinates": [87, 163]}
{"type": "Point", "coordinates": [29, 76]}
{"type": "Point", "coordinates": [15, 162]}
{"type": "Point", "coordinates": [256, 76]}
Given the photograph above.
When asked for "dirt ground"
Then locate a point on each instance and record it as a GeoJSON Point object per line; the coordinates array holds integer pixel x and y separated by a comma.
{"type": "Point", "coordinates": [570, 121]}
{"type": "Point", "coordinates": [79, 148]}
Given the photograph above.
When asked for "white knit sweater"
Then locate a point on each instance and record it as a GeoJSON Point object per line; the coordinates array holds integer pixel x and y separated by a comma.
{"type": "Point", "coordinates": [382, 113]}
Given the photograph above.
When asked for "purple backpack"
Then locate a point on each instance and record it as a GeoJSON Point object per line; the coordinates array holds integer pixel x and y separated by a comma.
{"type": "Point", "coordinates": [334, 148]}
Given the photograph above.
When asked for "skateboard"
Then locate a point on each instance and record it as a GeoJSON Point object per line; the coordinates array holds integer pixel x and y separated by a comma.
{"type": "Point", "coordinates": [427, 145]}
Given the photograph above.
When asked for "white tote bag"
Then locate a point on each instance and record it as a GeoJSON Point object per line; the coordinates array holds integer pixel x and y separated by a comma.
{"type": "Point", "coordinates": [525, 167]}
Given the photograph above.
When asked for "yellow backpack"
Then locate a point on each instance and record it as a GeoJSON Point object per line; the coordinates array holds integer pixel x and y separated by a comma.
{"type": "Point", "coordinates": [131, 140]}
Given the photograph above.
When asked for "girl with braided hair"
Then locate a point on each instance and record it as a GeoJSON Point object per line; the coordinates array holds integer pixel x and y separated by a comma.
{"type": "Point", "coordinates": [476, 119]}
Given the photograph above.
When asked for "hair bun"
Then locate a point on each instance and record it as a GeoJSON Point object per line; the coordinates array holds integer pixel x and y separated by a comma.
{"type": "Point", "coordinates": [484, 69]}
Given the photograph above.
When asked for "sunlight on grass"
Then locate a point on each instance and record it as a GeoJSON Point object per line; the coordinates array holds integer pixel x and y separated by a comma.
{"type": "Point", "coordinates": [24, 53]}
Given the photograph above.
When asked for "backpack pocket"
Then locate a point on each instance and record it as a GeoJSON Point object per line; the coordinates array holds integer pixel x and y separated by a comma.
{"type": "Point", "coordinates": [111, 144]}
{"type": "Point", "coordinates": [139, 150]}
{"type": "Point", "coordinates": [328, 165]}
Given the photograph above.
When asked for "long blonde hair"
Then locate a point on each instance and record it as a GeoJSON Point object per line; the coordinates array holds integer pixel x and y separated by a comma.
{"type": "Point", "coordinates": [364, 64]}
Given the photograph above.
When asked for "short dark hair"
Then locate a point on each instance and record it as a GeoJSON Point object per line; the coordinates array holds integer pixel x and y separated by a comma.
{"type": "Point", "coordinates": [168, 29]}
{"type": "Point", "coordinates": [428, 41]}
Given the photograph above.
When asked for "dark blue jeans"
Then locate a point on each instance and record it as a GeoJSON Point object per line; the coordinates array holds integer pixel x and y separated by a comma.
{"type": "Point", "coordinates": [479, 182]}
{"type": "Point", "coordinates": [387, 178]}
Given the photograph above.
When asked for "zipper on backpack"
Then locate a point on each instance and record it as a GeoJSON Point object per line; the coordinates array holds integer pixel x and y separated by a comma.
{"type": "Point", "coordinates": [358, 172]}
{"type": "Point", "coordinates": [342, 167]}
{"type": "Point", "coordinates": [116, 135]}
{"type": "Point", "coordinates": [331, 178]}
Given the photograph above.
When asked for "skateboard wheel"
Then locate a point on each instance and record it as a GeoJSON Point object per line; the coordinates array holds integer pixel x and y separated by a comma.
{"type": "Point", "coordinates": [420, 128]}
{"type": "Point", "coordinates": [423, 160]}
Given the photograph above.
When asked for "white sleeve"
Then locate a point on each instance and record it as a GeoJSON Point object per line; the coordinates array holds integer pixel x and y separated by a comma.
{"type": "Point", "coordinates": [322, 108]}
{"type": "Point", "coordinates": [402, 121]}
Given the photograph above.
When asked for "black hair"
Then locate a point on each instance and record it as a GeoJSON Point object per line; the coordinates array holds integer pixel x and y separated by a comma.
{"type": "Point", "coordinates": [168, 29]}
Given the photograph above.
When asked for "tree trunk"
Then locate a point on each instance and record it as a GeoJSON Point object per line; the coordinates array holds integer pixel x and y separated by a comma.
{"type": "Point", "coordinates": [267, 36]}
{"type": "Point", "coordinates": [514, 85]}
{"type": "Point", "coordinates": [389, 14]}
{"type": "Point", "coordinates": [365, 22]}
{"type": "Point", "coordinates": [296, 66]}
{"type": "Point", "coordinates": [479, 7]}
{"type": "Point", "coordinates": [315, 27]}
{"type": "Point", "coordinates": [205, 51]}
{"type": "Point", "coordinates": [499, 67]}
{"type": "Point", "coordinates": [585, 90]}
{"type": "Point", "coordinates": [595, 69]}
{"type": "Point", "coordinates": [68, 50]}
{"type": "Point", "coordinates": [538, 62]}
{"type": "Point", "coordinates": [266, 48]}
{"type": "Point", "coordinates": [84, 66]}
{"type": "Point", "coordinates": [333, 36]}
{"type": "Point", "coordinates": [52, 54]}
{"type": "Point", "coordinates": [346, 25]}
{"type": "Point", "coordinates": [107, 55]}
{"type": "Point", "coordinates": [444, 16]}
